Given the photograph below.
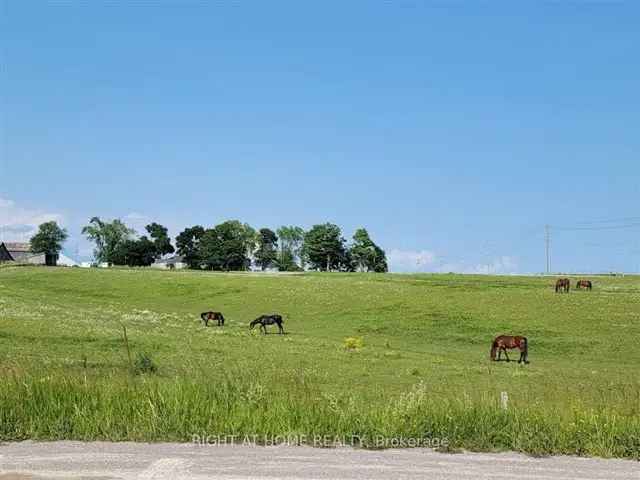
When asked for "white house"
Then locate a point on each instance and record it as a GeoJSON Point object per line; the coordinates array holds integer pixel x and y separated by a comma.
{"type": "Point", "coordinates": [170, 263]}
{"type": "Point", "coordinates": [66, 261]}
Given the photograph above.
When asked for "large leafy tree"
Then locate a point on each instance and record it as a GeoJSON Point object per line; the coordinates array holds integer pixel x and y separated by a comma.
{"type": "Point", "coordinates": [108, 236]}
{"type": "Point", "coordinates": [212, 253]}
{"type": "Point", "coordinates": [188, 245]}
{"type": "Point", "coordinates": [135, 253]}
{"type": "Point", "coordinates": [48, 239]}
{"type": "Point", "coordinates": [227, 246]}
{"type": "Point", "coordinates": [143, 251]}
{"type": "Point", "coordinates": [365, 254]}
{"type": "Point", "coordinates": [267, 252]}
{"type": "Point", "coordinates": [290, 256]}
{"type": "Point", "coordinates": [249, 237]}
{"type": "Point", "coordinates": [324, 247]}
{"type": "Point", "coordinates": [161, 240]}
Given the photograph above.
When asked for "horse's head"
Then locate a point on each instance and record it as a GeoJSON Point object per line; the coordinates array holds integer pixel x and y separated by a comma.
{"type": "Point", "coordinates": [254, 323]}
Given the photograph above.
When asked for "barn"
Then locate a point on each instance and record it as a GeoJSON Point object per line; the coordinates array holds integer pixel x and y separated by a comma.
{"type": "Point", "coordinates": [21, 253]}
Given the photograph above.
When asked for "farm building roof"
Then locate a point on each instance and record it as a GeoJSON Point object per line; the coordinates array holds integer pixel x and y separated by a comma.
{"type": "Point", "coordinates": [18, 247]}
{"type": "Point", "coordinates": [14, 251]}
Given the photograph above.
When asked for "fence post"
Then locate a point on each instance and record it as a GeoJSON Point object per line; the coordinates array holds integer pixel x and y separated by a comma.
{"type": "Point", "coordinates": [504, 400]}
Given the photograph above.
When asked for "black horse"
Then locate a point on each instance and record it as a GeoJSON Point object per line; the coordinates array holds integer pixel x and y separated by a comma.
{"type": "Point", "coordinates": [206, 316]}
{"type": "Point", "coordinates": [264, 320]}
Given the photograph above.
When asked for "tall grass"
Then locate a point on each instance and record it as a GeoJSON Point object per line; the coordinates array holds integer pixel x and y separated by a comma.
{"type": "Point", "coordinates": [122, 407]}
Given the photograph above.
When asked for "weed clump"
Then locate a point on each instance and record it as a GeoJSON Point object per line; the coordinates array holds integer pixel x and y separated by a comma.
{"type": "Point", "coordinates": [353, 343]}
{"type": "Point", "coordinates": [144, 364]}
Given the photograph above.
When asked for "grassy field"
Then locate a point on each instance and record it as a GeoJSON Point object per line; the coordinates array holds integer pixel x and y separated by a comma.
{"type": "Point", "coordinates": [423, 369]}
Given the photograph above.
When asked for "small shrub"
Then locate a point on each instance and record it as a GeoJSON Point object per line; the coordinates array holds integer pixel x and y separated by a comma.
{"type": "Point", "coordinates": [353, 343]}
{"type": "Point", "coordinates": [144, 364]}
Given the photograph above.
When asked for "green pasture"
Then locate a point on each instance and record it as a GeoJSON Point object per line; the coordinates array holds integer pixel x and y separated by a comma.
{"type": "Point", "coordinates": [421, 367]}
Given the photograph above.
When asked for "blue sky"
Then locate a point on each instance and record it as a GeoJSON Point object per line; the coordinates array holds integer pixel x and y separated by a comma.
{"type": "Point", "coordinates": [453, 131]}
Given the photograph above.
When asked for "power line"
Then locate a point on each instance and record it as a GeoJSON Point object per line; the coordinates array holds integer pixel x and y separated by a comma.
{"type": "Point", "coordinates": [605, 227]}
{"type": "Point", "coordinates": [610, 220]}
{"type": "Point", "coordinates": [626, 223]}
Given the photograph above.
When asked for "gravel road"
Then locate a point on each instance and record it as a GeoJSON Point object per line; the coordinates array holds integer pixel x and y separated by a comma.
{"type": "Point", "coordinates": [141, 461]}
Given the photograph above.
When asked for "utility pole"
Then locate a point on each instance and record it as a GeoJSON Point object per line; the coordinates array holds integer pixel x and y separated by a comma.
{"type": "Point", "coordinates": [547, 243]}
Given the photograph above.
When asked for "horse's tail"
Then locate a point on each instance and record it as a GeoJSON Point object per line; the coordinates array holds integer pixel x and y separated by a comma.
{"type": "Point", "coordinates": [494, 349]}
{"type": "Point", "coordinates": [525, 345]}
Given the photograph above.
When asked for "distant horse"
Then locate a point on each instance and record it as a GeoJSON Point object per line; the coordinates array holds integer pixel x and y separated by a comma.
{"type": "Point", "coordinates": [206, 316]}
{"type": "Point", "coordinates": [584, 284]}
{"type": "Point", "coordinates": [563, 285]}
{"type": "Point", "coordinates": [503, 342]}
{"type": "Point", "coordinates": [265, 320]}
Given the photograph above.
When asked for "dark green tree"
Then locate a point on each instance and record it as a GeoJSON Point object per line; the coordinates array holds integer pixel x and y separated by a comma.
{"type": "Point", "coordinates": [379, 264]}
{"type": "Point", "coordinates": [267, 253]}
{"type": "Point", "coordinates": [324, 247]}
{"type": "Point", "coordinates": [49, 240]}
{"type": "Point", "coordinates": [210, 250]}
{"type": "Point", "coordinates": [365, 254]}
{"type": "Point", "coordinates": [227, 246]}
{"type": "Point", "coordinates": [188, 245]}
{"type": "Point", "coordinates": [161, 240]}
{"type": "Point", "coordinates": [347, 263]}
{"type": "Point", "coordinates": [135, 253]}
{"type": "Point", "coordinates": [107, 236]}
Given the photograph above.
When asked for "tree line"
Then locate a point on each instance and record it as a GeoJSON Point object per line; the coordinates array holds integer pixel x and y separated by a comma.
{"type": "Point", "coordinates": [233, 245]}
{"type": "Point", "coordinates": [230, 245]}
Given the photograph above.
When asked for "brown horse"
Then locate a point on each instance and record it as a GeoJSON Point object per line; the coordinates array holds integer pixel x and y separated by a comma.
{"type": "Point", "coordinates": [206, 316]}
{"type": "Point", "coordinates": [563, 285]}
{"type": "Point", "coordinates": [503, 342]}
{"type": "Point", "coordinates": [584, 284]}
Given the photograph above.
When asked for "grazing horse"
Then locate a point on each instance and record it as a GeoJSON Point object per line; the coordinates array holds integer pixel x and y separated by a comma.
{"type": "Point", "coordinates": [584, 284]}
{"type": "Point", "coordinates": [206, 316]}
{"type": "Point", "coordinates": [264, 320]}
{"type": "Point", "coordinates": [503, 342]}
{"type": "Point", "coordinates": [563, 285]}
